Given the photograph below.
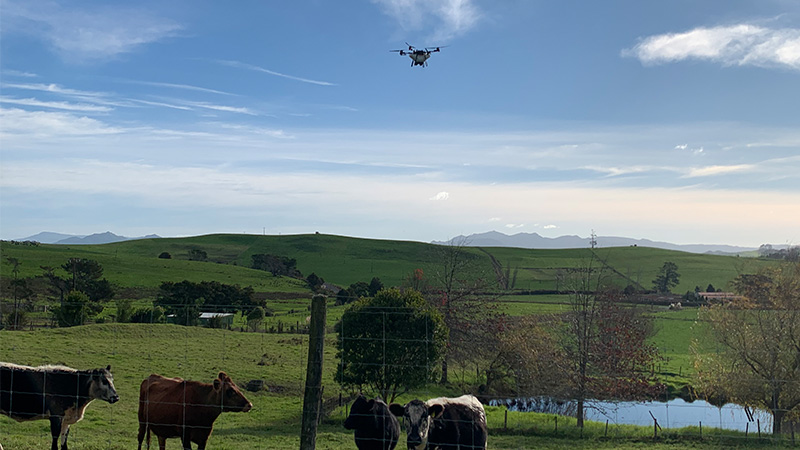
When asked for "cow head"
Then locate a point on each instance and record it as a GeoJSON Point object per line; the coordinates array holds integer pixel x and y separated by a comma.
{"type": "Point", "coordinates": [418, 418]}
{"type": "Point", "coordinates": [101, 385]}
{"type": "Point", "coordinates": [359, 413]}
{"type": "Point", "coordinates": [230, 397]}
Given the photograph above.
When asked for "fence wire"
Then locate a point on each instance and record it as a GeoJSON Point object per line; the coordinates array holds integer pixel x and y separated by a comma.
{"type": "Point", "coordinates": [268, 363]}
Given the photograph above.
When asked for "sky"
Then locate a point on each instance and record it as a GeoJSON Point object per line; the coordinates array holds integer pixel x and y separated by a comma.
{"type": "Point", "coordinates": [674, 121]}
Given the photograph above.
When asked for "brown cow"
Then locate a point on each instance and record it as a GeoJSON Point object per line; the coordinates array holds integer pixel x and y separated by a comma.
{"type": "Point", "coordinates": [173, 407]}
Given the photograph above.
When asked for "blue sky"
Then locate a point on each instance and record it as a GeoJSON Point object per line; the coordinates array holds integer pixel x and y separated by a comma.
{"type": "Point", "coordinates": [668, 120]}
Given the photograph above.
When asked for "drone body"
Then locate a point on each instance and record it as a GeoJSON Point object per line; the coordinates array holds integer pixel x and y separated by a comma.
{"type": "Point", "coordinates": [419, 57]}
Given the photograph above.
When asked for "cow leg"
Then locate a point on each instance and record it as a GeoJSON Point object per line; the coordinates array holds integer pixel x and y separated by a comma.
{"type": "Point", "coordinates": [186, 438]}
{"type": "Point", "coordinates": [162, 443]}
{"type": "Point", "coordinates": [64, 435]}
{"type": "Point", "coordinates": [55, 431]}
{"type": "Point", "coordinates": [142, 432]}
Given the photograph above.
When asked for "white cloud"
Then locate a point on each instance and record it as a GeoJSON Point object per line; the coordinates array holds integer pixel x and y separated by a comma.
{"type": "Point", "coordinates": [242, 65]}
{"type": "Point", "coordinates": [681, 147]}
{"type": "Point", "coordinates": [550, 227]}
{"type": "Point", "coordinates": [440, 196]}
{"type": "Point", "coordinates": [718, 170]}
{"type": "Point", "coordinates": [50, 124]}
{"type": "Point", "coordinates": [515, 225]}
{"type": "Point", "coordinates": [449, 18]}
{"type": "Point", "coordinates": [55, 105]}
{"type": "Point", "coordinates": [495, 219]}
{"type": "Point", "coordinates": [87, 34]}
{"type": "Point", "coordinates": [735, 45]}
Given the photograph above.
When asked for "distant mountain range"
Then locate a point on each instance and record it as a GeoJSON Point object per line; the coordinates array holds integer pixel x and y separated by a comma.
{"type": "Point", "coordinates": [534, 240]}
{"type": "Point", "coordinates": [47, 237]}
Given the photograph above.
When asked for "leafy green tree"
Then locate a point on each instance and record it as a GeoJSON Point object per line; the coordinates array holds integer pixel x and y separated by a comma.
{"type": "Point", "coordinates": [314, 281]}
{"type": "Point", "coordinates": [389, 343]}
{"type": "Point", "coordinates": [343, 297]}
{"type": "Point", "coordinates": [375, 286]}
{"type": "Point", "coordinates": [276, 265]}
{"type": "Point", "coordinates": [255, 317]}
{"type": "Point", "coordinates": [76, 310]}
{"type": "Point", "coordinates": [667, 278]}
{"type": "Point", "coordinates": [197, 254]}
{"type": "Point", "coordinates": [86, 275]}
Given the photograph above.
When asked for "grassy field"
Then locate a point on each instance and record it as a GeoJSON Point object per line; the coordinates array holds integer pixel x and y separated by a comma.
{"type": "Point", "coordinates": [344, 260]}
{"type": "Point", "coordinates": [136, 350]}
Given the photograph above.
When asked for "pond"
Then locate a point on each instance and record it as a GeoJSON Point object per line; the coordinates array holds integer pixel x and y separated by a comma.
{"type": "Point", "coordinates": [676, 413]}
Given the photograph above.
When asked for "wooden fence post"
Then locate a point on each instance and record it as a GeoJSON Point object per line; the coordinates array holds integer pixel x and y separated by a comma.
{"type": "Point", "coordinates": [312, 399]}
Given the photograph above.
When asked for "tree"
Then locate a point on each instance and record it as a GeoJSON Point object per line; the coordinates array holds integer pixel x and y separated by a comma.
{"type": "Point", "coordinates": [75, 310]}
{"type": "Point", "coordinates": [375, 286]}
{"type": "Point", "coordinates": [276, 265]}
{"type": "Point", "coordinates": [255, 317]}
{"type": "Point", "coordinates": [667, 278]}
{"type": "Point", "coordinates": [389, 343]}
{"type": "Point", "coordinates": [86, 275]}
{"type": "Point", "coordinates": [20, 294]}
{"type": "Point", "coordinates": [165, 255]}
{"type": "Point", "coordinates": [314, 281]}
{"type": "Point", "coordinates": [759, 361]}
{"type": "Point", "coordinates": [606, 349]}
{"type": "Point", "coordinates": [197, 254]}
{"type": "Point", "coordinates": [458, 291]}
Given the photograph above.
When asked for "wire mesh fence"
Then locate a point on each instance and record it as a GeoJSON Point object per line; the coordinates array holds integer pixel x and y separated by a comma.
{"type": "Point", "coordinates": [267, 365]}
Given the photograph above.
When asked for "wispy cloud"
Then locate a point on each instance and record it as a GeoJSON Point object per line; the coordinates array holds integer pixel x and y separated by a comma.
{"type": "Point", "coordinates": [81, 34]}
{"type": "Point", "coordinates": [18, 73]}
{"type": "Point", "coordinates": [719, 170]}
{"type": "Point", "coordinates": [50, 124]}
{"type": "Point", "coordinates": [734, 45]}
{"type": "Point", "coordinates": [241, 65]}
{"type": "Point", "coordinates": [440, 196]}
{"type": "Point", "coordinates": [450, 18]}
{"type": "Point", "coordinates": [55, 105]}
{"type": "Point", "coordinates": [187, 87]}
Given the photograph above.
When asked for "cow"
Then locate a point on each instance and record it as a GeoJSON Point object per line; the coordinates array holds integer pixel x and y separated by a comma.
{"type": "Point", "coordinates": [444, 423]}
{"type": "Point", "coordinates": [174, 407]}
{"type": "Point", "coordinates": [376, 428]}
{"type": "Point", "coordinates": [58, 393]}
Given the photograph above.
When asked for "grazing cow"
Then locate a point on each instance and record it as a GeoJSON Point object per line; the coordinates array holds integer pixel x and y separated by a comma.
{"type": "Point", "coordinates": [444, 423]}
{"type": "Point", "coordinates": [376, 428]}
{"type": "Point", "coordinates": [60, 394]}
{"type": "Point", "coordinates": [174, 407]}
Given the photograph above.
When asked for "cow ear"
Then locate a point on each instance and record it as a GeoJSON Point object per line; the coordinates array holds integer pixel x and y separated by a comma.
{"type": "Point", "coordinates": [371, 404]}
{"type": "Point", "coordinates": [397, 409]}
{"type": "Point", "coordinates": [108, 367]}
{"type": "Point", "coordinates": [436, 410]}
{"type": "Point", "coordinates": [217, 384]}
{"type": "Point", "coordinates": [223, 376]}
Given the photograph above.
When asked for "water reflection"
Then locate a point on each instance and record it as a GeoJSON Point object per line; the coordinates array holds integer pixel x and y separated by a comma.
{"type": "Point", "coordinates": [675, 413]}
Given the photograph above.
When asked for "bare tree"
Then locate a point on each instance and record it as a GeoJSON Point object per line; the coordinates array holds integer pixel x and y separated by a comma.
{"type": "Point", "coordinates": [605, 345]}
{"type": "Point", "coordinates": [759, 334]}
{"type": "Point", "coordinates": [459, 292]}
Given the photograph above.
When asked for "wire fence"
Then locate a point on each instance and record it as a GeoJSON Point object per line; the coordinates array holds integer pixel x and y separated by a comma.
{"type": "Point", "coordinates": [267, 367]}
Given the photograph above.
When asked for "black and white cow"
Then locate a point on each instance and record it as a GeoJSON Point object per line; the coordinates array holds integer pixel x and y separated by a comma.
{"type": "Point", "coordinates": [57, 393]}
{"type": "Point", "coordinates": [376, 428]}
{"type": "Point", "coordinates": [444, 423]}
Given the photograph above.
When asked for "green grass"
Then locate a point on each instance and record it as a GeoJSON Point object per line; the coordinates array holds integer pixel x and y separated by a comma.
{"type": "Point", "coordinates": [344, 260]}
{"type": "Point", "coordinates": [136, 350]}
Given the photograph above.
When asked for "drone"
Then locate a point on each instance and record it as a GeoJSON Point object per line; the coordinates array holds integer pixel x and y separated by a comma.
{"type": "Point", "coordinates": [419, 57]}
